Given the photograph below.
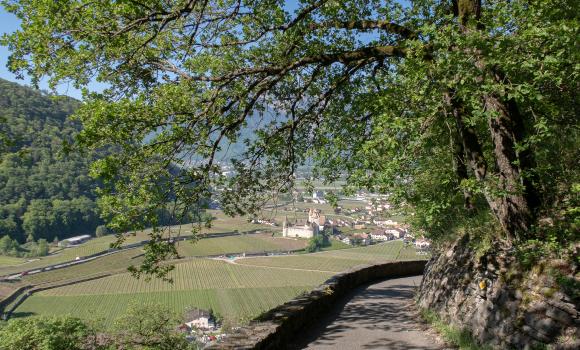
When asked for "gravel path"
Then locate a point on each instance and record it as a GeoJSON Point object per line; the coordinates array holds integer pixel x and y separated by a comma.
{"type": "Point", "coordinates": [376, 316]}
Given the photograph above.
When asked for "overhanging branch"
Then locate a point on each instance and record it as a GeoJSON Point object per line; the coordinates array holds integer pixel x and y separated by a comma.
{"type": "Point", "coordinates": [365, 25]}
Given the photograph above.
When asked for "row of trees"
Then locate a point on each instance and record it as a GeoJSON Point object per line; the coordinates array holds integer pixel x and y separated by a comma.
{"type": "Point", "coordinates": [11, 247]}
{"type": "Point", "coordinates": [48, 219]}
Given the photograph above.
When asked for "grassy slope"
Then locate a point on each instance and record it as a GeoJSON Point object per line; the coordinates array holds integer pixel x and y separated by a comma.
{"type": "Point", "coordinates": [10, 261]}
{"type": "Point", "coordinates": [238, 291]}
{"type": "Point", "coordinates": [235, 291]}
{"type": "Point", "coordinates": [221, 224]}
{"type": "Point", "coordinates": [239, 244]}
{"type": "Point", "coordinates": [339, 260]}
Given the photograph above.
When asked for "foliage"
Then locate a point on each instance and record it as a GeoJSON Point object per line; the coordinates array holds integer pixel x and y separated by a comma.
{"type": "Point", "coordinates": [10, 247]}
{"type": "Point", "coordinates": [460, 109]}
{"type": "Point", "coordinates": [316, 243]}
{"type": "Point", "coordinates": [43, 193]}
{"type": "Point", "coordinates": [101, 231]}
{"type": "Point", "coordinates": [140, 328]}
{"type": "Point", "coordinates": [148, 327]}
{"type": "Point", "coordinates": [45, 333]}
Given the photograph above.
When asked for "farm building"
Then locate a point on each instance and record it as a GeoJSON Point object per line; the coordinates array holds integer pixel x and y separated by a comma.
{"type": "Point", "coordinates": [74, 240]}
{"type": "Point", "coordinates": [199, 319]}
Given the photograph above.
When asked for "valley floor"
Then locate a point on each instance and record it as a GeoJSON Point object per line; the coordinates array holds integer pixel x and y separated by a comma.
{"type": "Point", "coordinates": [236, 290]}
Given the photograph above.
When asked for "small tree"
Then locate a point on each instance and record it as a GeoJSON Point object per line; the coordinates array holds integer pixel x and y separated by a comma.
{"type": "Point", "coordinates": [101, 231]}
{"type": "Point", "coordinates": [148, 327]}
{"type": "Point", "coordinates": [42, 247]}
{"type": "Point", "coordinates": [7, 245]}
{"type": "Point", "coordinates": [315, 243]}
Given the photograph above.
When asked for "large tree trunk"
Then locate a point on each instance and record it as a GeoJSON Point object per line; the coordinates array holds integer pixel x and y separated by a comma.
{"type": "Point", "coordinates": [510, 196]}
{"type": "Point", "coordinates": [514, 210]}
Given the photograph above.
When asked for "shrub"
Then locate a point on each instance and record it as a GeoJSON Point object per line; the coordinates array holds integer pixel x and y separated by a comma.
{"type": "Point", "coordinates": [102, 230]}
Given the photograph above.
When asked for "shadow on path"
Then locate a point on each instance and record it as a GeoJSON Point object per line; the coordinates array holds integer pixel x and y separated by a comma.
{"type": "Point", "coordinates": [375, 316]}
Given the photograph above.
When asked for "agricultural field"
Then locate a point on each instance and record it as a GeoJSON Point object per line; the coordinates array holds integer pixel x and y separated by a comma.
{"type": "Point", "coordinates": [338, 260]}
{"type": "Point", "coordinates": [93, 246]}
{"type": "Point", "coordinates": [235, 305]}
{"type": "Point", "coordinates": [249, 243]}
{"type": "Point", "coordinates": [222, 223]}
{"type": "Point", "coordinates": [114, 263]}
{"type": "Point", "coordinates": [236, 292]}
{"type": "Point", "coordinates": [10, 261]}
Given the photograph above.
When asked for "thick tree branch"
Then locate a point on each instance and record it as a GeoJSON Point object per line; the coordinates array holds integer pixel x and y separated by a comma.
{"type": "Point", "coordinates": [345, 57]}
{"type": "Point", "coordinates": [365, 25]}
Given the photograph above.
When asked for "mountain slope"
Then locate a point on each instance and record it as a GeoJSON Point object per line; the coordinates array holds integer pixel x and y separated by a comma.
{"type": "Point", "coordinates": [43, 192]}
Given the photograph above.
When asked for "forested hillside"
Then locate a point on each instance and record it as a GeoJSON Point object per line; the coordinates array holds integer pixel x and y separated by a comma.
{"type": "Point", "coordinates": [43, 192]}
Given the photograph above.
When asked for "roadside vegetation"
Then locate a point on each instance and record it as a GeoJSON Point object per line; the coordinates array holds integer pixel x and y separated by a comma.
{"type": "Point", "coordinates": [461, 338]}
{"type": "Point", "coordinates": [138, 327]}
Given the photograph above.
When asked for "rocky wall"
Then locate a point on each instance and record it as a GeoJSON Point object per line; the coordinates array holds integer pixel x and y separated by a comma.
{"type": "Point", "coordinates": [502, 304]}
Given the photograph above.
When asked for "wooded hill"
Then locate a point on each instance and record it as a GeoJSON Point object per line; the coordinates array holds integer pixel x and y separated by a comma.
{"type": "Point", "coordinates": [44, 193]}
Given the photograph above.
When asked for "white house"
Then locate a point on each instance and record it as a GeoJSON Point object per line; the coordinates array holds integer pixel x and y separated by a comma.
{"type": "Point", "coordinates": [386, 222]}
{"type": "Point", "coordinates": [396, 232]}
{"type": "Point", "coordinates": [199, 319]}
{"type": "Point", "coordinates": [346, 240]}
{"type": "Point", "coordinates": [381, 235]}
{"type": "Point", "coordinates": [317, 195]}
{"type": "Point", "coordinates": [422, 243]}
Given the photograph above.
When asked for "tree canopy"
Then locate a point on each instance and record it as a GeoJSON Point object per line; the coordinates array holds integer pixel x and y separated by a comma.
{"type": "Point", "coordinates": [464, 109]}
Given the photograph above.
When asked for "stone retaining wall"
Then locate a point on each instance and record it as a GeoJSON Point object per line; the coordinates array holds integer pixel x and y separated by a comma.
{"type": "Point", "coordinates": [278, 326]}
{"type": "Point", "coordinates": [10, 298]}
{"type": "Point", "coordinates": [502, 304]}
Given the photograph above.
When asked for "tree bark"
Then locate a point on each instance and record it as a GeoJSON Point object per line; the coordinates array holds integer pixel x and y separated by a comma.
{"type": "Point", "coordinates": [459, 156]}
{"type": "Point", "coordinates": [513, 198]}
{"type": "Point", "coordinates": [514, 210]}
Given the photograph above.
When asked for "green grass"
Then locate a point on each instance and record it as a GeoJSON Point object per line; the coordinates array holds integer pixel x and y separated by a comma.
{"type": "Point", "coordinates": [222, 224]}
{"type": "Point", "coordinates": [339, 260]}
{"type": "Point", "coordinates": [335, 245]}
{"type": "Point", "coordinates": [251, 243]}
{"type": "Point", "coordinates": [117, 262]}
{"type": "Point", "coordinates": [92, 246]}
{"type": "Point", "coordinates": [461, 338]}
{"type": "Point", "coordinates": [196, 274]}
{"type": "Point", "coordinates": [237, 305]}
{"type": "Point", "coordinates": [10, 261]}
{"type": "Point", "coordinates": [237, 292]}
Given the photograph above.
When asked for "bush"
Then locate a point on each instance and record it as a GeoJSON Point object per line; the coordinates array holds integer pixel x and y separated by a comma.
{"type": "Point", "coordinates": [44, 333]}
{"type": "Point", "coordinates": [102, 230]}
{"type": "Point", "coordinates": [315, 243]}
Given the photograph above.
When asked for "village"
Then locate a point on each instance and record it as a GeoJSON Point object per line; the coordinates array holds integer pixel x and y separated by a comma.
{"type": "Point", "coordinates": [358, 225]}
{"type": "Point", "coordinates": [363, 220]}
